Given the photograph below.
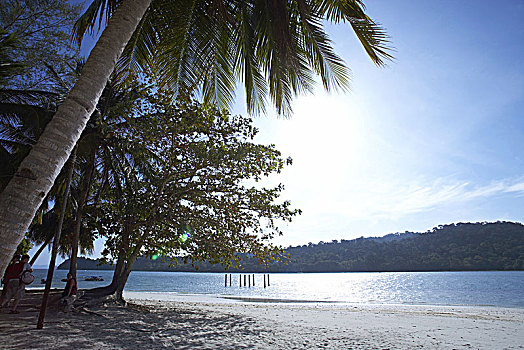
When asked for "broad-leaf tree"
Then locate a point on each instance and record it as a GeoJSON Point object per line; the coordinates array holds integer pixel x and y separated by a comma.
{"type": "Point", "coordinates": [183, 171]}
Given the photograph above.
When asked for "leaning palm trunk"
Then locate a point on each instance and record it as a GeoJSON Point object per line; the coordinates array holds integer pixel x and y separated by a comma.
{"type": "Point", "coordinates": [56, 242]}
{"type": "Point", "coordinates": [79, 212]}
{"type": "Point", "coordinates": [36, 174]}
{"type": "Point", "coordinates": [40, 250]}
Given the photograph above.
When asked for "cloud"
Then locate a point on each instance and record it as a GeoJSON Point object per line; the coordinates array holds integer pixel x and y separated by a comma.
{"type": "Point", "coordinates": [516, 187]}
{"type": "Point", "coordinates": [394, 201]}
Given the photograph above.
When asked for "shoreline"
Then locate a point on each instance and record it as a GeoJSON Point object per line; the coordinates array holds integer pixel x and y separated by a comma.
{"type": "Point", "coordinates": [193, 322]}
{"type": "Point", "coordinates": [224, 299]}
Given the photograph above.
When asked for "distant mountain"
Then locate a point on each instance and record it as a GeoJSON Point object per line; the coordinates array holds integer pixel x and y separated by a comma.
{"type": "Point", "coordinates": [455, 247]}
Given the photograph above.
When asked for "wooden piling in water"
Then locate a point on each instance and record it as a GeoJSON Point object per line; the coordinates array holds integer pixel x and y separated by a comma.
{"type": "Point", "coordinates": [230, 280]}
{"type": "Point", "coordinates": [253, 280]}
{"type": "Point", "coordinates": [245, 280]}
{"type": "Point", "coordinates": [240, 279]}
{"type": "Point", "coordinates": [264, 280]}
{"type": "Point", "coordinates": [249, 281]}
{"type": "Point", "coordinates": [225, 280]}
{"type": "Point", "coordinates": [268, 280]}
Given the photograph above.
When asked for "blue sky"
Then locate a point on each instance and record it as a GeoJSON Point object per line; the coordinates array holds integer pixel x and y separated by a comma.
{"type": "Point", "coordinates": [434, 138]}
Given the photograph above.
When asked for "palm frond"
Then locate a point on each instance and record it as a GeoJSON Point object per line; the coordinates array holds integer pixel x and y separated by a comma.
{"type": "Point", "coordinates": [136, 57]}
{"type": "Point", "coordinates": [8, 65]}
{"type": "Point", "coordinates": [370, 34]}
{"type": "Point", "coordinates": [274, 47]}
{"type": "Point", "coordinates": [37, 98]}
{"type": "Point", "coordinates": [246, 61]}
{"type": "Point", "coordinates": [176, 64]}
{"type": "Point", "coordinates": [93, 18]}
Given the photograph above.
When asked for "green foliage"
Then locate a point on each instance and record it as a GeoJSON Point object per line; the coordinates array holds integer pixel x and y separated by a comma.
{"type": "Point", "coordinates": [8, 63]}
{"type": "Point", "coordinates": [23, 117]}
{"type": "Point", "coordinates": [24, 247]}
{"type": "Point", "coordinates": [274, 48]}
{"type": "Point", "coordinates": [36, 66]}
{"type": "Point", "coordinates": [42, 29]}
{"type": "Point", "coordinates": [40, 233]}
{"type": "Point", "coordinates": [182, 167]}
{"type": "Point", "coordinates": [462, 246]}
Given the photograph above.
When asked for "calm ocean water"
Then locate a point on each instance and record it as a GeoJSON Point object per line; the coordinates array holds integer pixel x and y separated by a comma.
{"type": "Point", "coordinates": [492, 288]}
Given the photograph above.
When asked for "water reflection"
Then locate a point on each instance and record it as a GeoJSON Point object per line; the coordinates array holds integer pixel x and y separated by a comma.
{"type": "Point", "coordinates": [449, 288]}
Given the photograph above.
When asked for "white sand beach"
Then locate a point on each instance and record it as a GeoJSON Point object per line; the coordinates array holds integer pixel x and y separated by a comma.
{"type": "Point", "coordinates": [207, 322]}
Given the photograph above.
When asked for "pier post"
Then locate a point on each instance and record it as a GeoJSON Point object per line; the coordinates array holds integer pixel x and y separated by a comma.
{"type": "Point", "coordinates": [240, 279]}
{"type": "Point", "coordinates": [249, 280]}
{"type": "Point", "coordinates": [264, 280]}
{"type": "Point", "coordinates": [245, 280]}
{"type": "Point", "coordinates": [268, 280]}
{"type": "Point", "coordinates": [253, 280]}
{"type": "Point", "coordinates": [230, 280]}
{"type": "Point", "coordinates": [225, 280]}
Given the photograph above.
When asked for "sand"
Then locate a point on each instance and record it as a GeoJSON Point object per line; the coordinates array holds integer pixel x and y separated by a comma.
{"type": "Point", "coordinates": [207, 322]}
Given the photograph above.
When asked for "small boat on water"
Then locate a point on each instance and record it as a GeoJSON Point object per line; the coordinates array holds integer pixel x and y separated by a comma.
{"type": "Point", "coordinates": [93, 278]}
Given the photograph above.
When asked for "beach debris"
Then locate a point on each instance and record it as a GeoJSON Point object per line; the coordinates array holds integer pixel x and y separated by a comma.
{"type": "Point", "coordinates": [91, 312]}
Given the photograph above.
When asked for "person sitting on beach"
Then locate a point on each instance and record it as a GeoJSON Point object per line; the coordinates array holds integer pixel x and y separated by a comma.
{"type": "Point", "coordinates": [15, 288]}
{"type": "Point", "coordinates": [70, 288]}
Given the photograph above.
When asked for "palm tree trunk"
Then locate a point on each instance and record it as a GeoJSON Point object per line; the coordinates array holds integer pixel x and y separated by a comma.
{"type": "Point", "coordinates": [79, 212]}
{"type": "Point", "coordinates": [23, 195]}
{"type": "Point", "coordinates": [56, 243]}
{"type": "Point", "coordinates": [40, 250]}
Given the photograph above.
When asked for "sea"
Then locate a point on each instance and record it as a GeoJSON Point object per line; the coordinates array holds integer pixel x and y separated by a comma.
{"type": "Point", "coordinates": [486, 288]}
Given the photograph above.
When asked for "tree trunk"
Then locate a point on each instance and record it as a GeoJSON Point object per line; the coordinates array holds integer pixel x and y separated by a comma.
{"type": "Point", "coordinates": [120, 265]}
{"type": "Point", "coordinates": [79, 212]}
{"type": "Point", "coordinates": [115, 290]}
{"type": "Point", "coordinates": [110, 289]}
{"type": "Point", "coordinates": [40, 250]}
{"type": "Point", "coordinates": [119, 292]}
{"type": "Point", "coordinates": [122, 280]}
{"type": "Point", "coordinates": [24, 193]}
{"type": "Point", "coordinates": [56, 243]}
{"type": "Point", "coordinates": [122, 274]}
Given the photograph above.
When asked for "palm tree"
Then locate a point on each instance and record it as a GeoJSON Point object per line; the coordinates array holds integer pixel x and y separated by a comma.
{"type": "Point", "coordinates": [272, 46]}
{"type": "Point", "coordinates": [9, 66]}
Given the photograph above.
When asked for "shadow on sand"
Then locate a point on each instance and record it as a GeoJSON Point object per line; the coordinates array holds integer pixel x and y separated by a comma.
{"type": "Point", "coordinates": [131, 327]}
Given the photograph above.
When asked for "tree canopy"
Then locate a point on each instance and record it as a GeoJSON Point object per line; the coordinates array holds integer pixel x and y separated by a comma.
{"type": "Point", "coordinates": [275, 49]}
{"type": "Point", "coordinates": [168, 169]}
{"type": "Point", "coordinates": [42, 30]}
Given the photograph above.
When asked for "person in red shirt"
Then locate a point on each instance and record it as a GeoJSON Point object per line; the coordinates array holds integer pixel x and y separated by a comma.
{"type": "Point", "coordinates": [10, 273]}
{"type": "Point", "coordinates": [14, 288]}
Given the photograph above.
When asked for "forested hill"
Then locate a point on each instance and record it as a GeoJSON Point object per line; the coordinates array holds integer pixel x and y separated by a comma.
{"type": "Point", "coordinates": [463, 246]}
{"type": "Point", "coordinates": [479, 246]}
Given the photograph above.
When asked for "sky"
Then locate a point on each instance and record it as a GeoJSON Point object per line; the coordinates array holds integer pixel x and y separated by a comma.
{"type": "Point", "coordinates": [433, 138]}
